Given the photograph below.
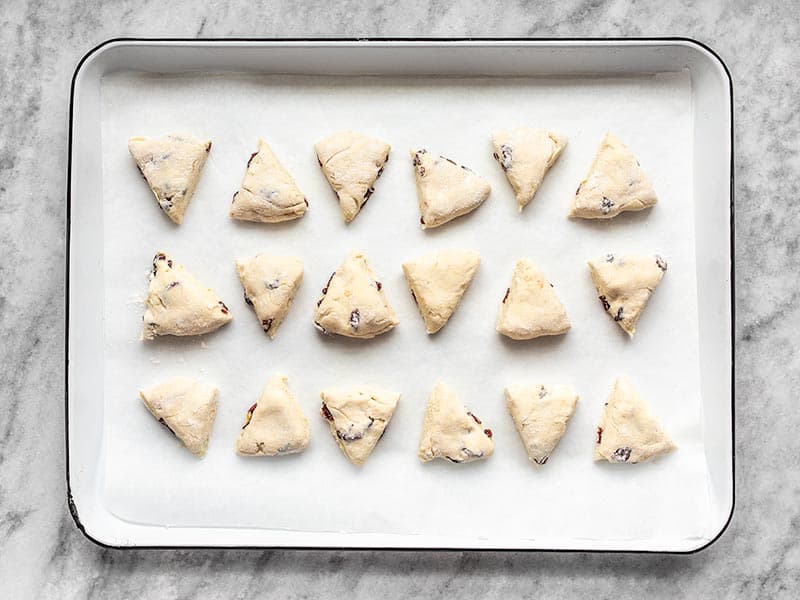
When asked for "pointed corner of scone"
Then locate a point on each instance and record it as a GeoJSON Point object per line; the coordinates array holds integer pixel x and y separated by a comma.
{"type": "Point", "coordinates": [275, 425]}
{"type": "Point", "coordinates": [171, 165]}
{"type": "Point", "coordinates": [614, 184]}
{"type": "Point", "coordinates": [270, 284]}
{"type": "Point", "coordinates": [269, 193]}
{"type": "Point", "coordinates": [445, 189]}
{"type": "Point", "coordinates": [625, 283]}
{"type": "Point", "coordinates": [353, 303]}
{"type": "Point", "coordinates": [541, 414]}
{"type": "Point", "coordinates": [451, 432]}
{"type": "Point", "coordinates": [187, 408]}
{"type": "Point", "coordinates": [438, 281]}
{"type": "Point", "coordinates": [177, 304]}
{"type": "Point", "coordinates": [358, 418]}
{"type": "Point", "coordinates": [627, 432]}
{"type": "Point", "coordinates": [530, 307]}
{"type": "Point", "coordinates": [526, 155]}
{"type": "Point", "coordinates": [352, 163]}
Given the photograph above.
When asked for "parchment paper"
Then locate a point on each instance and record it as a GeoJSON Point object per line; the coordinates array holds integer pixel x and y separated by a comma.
{"type": "Point", "coordinates": [150, 479]}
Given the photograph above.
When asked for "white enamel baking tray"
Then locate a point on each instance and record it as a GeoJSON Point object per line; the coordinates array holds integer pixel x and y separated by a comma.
{"type": "Point", "coordinates": [130, 485]}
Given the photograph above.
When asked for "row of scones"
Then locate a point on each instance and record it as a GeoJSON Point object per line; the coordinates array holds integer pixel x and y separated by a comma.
{"type": "Point", "coordinates": [276, 425]}
{"type": "Point", "coordinates": [352, 162]}
{"type": "Point", "coordinates": [354, 303]}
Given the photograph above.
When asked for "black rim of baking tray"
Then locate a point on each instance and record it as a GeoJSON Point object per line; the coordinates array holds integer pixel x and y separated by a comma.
{"type": "Point", "coordinates": [71, 503]}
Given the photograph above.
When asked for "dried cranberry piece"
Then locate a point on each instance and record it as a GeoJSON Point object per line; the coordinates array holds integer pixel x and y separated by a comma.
{"type": "Point", "coordinates": [326, 413]}
{"type": "Point", "coordinates": [599, 434]}
{"type": "Point", "coordinates": [606, 305]}
{"type": "Point", "coordinates": [476, 419]}
{"type": "Point", "coordinates": [508, 291]}
{"type": "Point", "coordinates": [252, 156]}
{"type": "Point", "coordinates": [249, 415]}
{"type": "Point", "coordinates": [488, 432]}
{"type": "Point", "coordinates": [223, 308]}
{"type": "Point", "coordinates": [266, 324]}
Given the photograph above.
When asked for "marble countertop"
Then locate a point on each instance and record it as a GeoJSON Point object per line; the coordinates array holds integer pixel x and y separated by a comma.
{"type": "Point", "coordinates": [42, 554]}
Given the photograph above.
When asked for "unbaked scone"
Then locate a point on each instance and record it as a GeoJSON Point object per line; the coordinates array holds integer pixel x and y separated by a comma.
{"type": "Point", "coordinates": [438, 281]}
{"type": "Point", "coordinates": [186, 407]}
{"type": "Point", "coordinates": [445, 189]}
{"type": "Point", "coordinates": [275, 424]}
{"type": "Point", "coordinates": [270, 284]}
{"type": "Point", "coordinates": [269, 193]}
{"type": "Point", "coordinates": [353, 303]}
{"type": "Point", "coordinates": [178, 304]}
{"type": "Point", "coordinates": [357, 418]}
{"type": "Point", "coordinates": [530, 308]}
{"type": "Point", "coordinates": [541, 414]}
{"type": "Point", "coordinates": [171, 165]}
{"type": "Point", "coordinates": [624, 284]}
{"type": "Point", "coordinates": [627, 432]}
{"type": "Point", "coordinates": [352, 163]}
{"type": "Point", "coordinates": [451, 432]}
{"type": "Point", "coordinates": [615, 183]}
{"type": "Point", "coordinates": [526, 154]}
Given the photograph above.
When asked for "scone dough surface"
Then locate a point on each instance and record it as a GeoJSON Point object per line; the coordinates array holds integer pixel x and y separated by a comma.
{"type": "Point", "coordinates": [275, 425]}
{"type": "Point", "coordinates": [186, 407]}
{"type": "Point", "coordinates": [171, 165]}
{"type": "Point", "coordinates": [615, 183]}
{"type": "Point", "coordinates": [353, 303]}
{"type": "Point", "coordinates": [178, 304]}
{"type": "Point", "coordinates": [451, 432]}
{"type": "Point", "coordinates": [627, 432]}
{"type": "Point", "coordinates": [269, 193]}
{"type": "Point", "coordinates": [438, 282]}
{"type": "Point", "coordinates": [352, 163]}
{"type": "Point", "coordinates": [445, 189]}
{"type": "Point", "coordinates": [625, 283]}
{"type": "Point", "coordinates": [358, 418]}
{"type": "Point", "coordinates": [541, 414]}
{"type": "Point", "coordinates": [526, 155]}
{"type": "Point", "coordinates": [530, 308]}
{"type": "Point", "coordinates": [270, 284]}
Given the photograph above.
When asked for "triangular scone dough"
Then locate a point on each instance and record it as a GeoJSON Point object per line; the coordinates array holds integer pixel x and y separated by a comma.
{"type": "Point", "coordinates": [541, 414]}
{"type": "Point", "coordinates": [268, 193]}
{"type": "Point", "coordinates": [451, 432]}
{"type": "Point", "coordinates": [357, 418]}
{"type": "Point", "coordinates": [178, 304]}
{"type": "Point", "coordinates": [624, 285]}
{"type": "Point", "coordinates": [526, 154]}
{"type": "Point", "coordinates": [627, 432]}
{"type": "Point", "coordinates": [171, 165]}
{"type": "Point", "coordinates": [352, 162]}
{"type": "Point", "coordinates": [186, 407]}
{"type": "Point", "coordinates": [438, 281]}
{"type": "Point", "coordinates": [275, 424]}
{"type": "Point", "coordinates": [530, 307]}
{"type": "Point", "coordinates": [615, 183]}
{"type": "Point", "coordinates": [353, 303]}
{"type": "Point", "coordinates": [270, 283]}
{"type": "Point", "coordinates": [445, 189]}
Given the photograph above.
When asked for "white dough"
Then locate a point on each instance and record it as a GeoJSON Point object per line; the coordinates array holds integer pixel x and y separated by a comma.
{"type": "Point", "coordinates": [625, 283]}
{"type": "Point", "coordinates": [615, 183]}
{"type": "Point", "coordinates": [445, 189]}
{"type": "Point", "coordinates": [275, 425]}
{"type": "Point", "coordinates": [186, 407]}
{"type": "Point", "coordinates": [178, 304]}
{"type": "Point", "coordinates": [171, 165]}
{"type": "Point", "coordinates": [438, 282]}
{"type": "Point", "coordinates": [530, 308]}
{"type": "Point", "coordinates": [353, 303]}
{"type": "Point", "coordinates": [627, 432]}
{"type": "Point", "coordinates": [451, 432]}
{"type": "Point", "coordinates": [270, 284]}
{"type": "Point", "coordinates": [352, 162]}
{"type": "Point", "coordinates": [268, 194]}
{"type": "Point", "coordinates": [541, 414]}
{"type": "Point", "coordinates": [357, 418]}
{"type": "Point", "coordinates": [526, 154]}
